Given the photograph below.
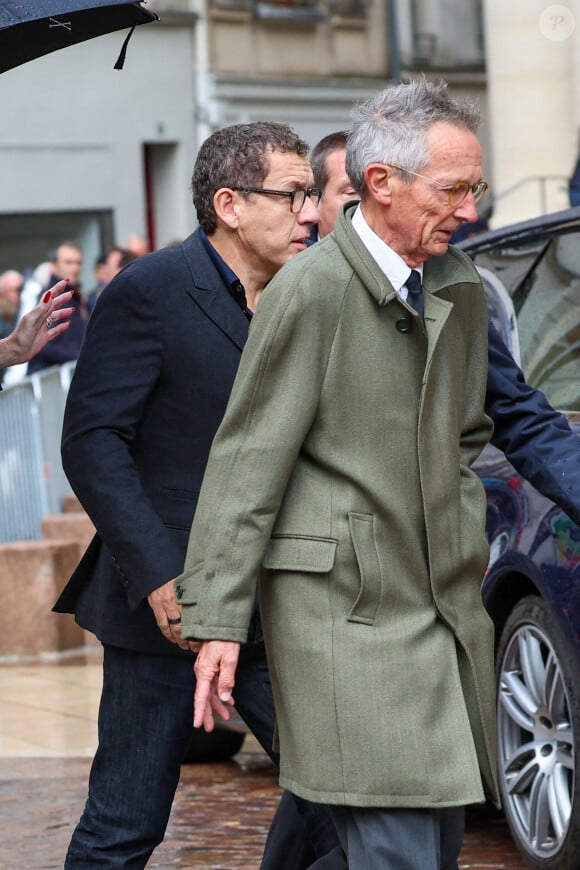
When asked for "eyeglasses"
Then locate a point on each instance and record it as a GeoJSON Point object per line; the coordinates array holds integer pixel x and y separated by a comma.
{"type": "Point", "coordinates": [456, 193]}
{"type": "Point", "coordinates": [297, 197]}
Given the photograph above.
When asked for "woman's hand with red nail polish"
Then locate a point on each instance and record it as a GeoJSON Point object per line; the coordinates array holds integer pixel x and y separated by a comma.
{"type": "Point", "coordinates": [47, 320]}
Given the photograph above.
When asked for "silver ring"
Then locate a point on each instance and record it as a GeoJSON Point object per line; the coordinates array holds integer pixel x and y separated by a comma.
{"type": "Point", "coordinates": [175, 621]}
{"type": "Point", "coordinates": [49, 322]}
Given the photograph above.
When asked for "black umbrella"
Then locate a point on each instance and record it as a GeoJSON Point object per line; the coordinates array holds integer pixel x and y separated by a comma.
{"type": "Point", "coordinates": [32, 28]}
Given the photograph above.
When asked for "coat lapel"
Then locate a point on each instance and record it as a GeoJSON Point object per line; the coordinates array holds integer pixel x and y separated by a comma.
{"type": "Point", "coordinates": [209, 292]}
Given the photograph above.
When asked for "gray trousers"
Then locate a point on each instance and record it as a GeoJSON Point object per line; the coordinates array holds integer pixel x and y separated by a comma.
{"type": "Point", "coordinates": [399, 839]}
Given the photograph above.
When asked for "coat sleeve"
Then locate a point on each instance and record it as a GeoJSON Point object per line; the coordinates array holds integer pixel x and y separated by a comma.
{"type": "Point", "coordinates": [536, 439]}
{"type": "Point", "coordinates": [106, 402]}
{"type": "Point", "coordinates": [271, 408]}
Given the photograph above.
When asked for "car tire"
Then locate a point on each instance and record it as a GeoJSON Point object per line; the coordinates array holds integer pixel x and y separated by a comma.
{"type": "Point", "coordinates": [538, 719]}
{"type": "Point", "coordinates": [208, 748]}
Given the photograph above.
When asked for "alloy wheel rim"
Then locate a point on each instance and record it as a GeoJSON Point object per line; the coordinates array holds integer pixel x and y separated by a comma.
{"type": "Point", "coordinates": [535, 742]}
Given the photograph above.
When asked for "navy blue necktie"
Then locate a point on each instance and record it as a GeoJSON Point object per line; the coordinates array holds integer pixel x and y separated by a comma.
{"type": "Point", "coordinates": [415, 291]}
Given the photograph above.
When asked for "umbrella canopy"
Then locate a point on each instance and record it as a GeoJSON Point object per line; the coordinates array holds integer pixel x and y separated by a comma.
{"type": "Point", "coordinates": [37, 27]}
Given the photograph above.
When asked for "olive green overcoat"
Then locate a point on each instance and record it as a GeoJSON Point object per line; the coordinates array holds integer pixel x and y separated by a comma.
{"type": "Point", "coordinates": [340, 475]}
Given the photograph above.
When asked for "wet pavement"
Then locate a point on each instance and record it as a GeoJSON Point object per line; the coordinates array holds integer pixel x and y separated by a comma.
{"type": "Point", "coordinates": [220, 817]}
{"type": "Point", "coordinates": [221, 812]}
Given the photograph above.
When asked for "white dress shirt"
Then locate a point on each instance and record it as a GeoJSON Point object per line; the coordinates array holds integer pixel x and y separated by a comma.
{"type": "Point", "coordinates": [389, 262]}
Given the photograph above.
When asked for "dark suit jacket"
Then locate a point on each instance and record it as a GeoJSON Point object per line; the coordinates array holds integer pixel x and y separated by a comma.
{"type": "Point", "coordinates": [148, 394]}
{"type": "Point", "coordinates": [536, 439]}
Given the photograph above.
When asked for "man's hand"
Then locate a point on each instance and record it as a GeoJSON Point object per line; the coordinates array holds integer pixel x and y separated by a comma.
{"type": "Point", "coordinates": [215, 669]}
{"type": "Point", "coordinates": [168, 615]}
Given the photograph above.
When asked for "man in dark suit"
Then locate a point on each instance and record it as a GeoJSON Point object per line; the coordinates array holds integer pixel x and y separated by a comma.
{"type": "Point", "coordinates": [149, 391]}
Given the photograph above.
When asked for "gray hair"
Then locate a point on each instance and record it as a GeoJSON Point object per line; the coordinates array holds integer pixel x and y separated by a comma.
{"type": "Point", "coordinates": [392, 126]}
{"type": "Point", "coordinates": [238, 156]}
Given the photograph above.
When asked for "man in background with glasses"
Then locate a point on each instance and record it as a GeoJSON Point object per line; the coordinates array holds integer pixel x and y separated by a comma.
{"type": "Point", "coordinates": [149, 391]}
{"type": "Point", "coordinates": [341, 476]}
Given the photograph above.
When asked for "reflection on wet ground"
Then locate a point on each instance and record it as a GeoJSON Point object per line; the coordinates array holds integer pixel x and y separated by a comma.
{"type": "Point", "coordinates": [221, 812]}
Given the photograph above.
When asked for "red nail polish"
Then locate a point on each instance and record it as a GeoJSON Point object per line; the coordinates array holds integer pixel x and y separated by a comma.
{"type": "Point", "coordinates": [46, 297]}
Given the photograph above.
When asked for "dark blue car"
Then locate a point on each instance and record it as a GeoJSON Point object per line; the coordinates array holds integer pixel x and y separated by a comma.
{"type": "Point", "coordinates": [531, 272]}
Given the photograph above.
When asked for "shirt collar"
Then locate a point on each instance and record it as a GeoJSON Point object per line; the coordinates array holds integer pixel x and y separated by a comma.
{"type": "Point", "coordinates": [389, 262]}
{"type": "Point", "coordinates": [230, 278]}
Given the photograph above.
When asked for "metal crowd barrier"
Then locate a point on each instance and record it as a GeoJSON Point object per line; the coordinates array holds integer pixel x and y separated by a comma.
{"type": "Point", "coordinates": [32, 481]}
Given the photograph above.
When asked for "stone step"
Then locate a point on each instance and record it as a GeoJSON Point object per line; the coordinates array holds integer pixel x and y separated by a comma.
{"type": "Point", "coordinates": [32, 575]}
{"type": "Point", "coordinates": [71, 504]}
{"type": "Point", "coordinates": [70, 526]}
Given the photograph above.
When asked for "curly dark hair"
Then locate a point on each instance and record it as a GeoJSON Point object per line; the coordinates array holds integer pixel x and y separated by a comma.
{"type": "Point", "coordinates": [237, 156]}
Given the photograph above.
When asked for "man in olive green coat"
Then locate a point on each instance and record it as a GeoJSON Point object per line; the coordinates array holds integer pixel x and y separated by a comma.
{"type": "Point", "coordinates": [341, 477]}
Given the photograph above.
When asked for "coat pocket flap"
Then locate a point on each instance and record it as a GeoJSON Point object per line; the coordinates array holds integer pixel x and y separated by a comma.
{"type": "Point", "coordinates": [296, 553]}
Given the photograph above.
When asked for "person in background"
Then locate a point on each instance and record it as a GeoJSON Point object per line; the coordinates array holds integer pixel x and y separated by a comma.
{"type": "Point", "coordinates": [149, 390]}
{"type": "Point", "coordinates": [99, 273]}
{"type": "Point", "coordinates": [137, 245]}
{"type": "Point", "coordinates": [67, 264]}
{"type": "Point", "coordinates": [42, 273]}
{"type": "Point", "coordinates": [11, 283]}
{"type": "Point", "coordinates": [109, 265]}
{"type": "Point", "coordinates": [116, 259]}
{"type": "Point", "coordinates": [327, 161]}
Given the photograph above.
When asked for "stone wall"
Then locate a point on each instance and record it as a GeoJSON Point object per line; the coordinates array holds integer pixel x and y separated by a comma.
{"type": "Point", "coordinates": [32, 576]}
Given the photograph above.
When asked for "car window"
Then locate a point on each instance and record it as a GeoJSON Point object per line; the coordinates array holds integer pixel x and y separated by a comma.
{"type": "Point", "coordinates": [543, 280]}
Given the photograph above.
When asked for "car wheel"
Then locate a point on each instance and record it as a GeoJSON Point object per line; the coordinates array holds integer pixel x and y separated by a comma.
{"type": "Point", "coordinates": [538, 681]}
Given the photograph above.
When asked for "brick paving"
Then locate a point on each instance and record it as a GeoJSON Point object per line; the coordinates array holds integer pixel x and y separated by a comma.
{"type": "Point", "coordinates": [219, 821]}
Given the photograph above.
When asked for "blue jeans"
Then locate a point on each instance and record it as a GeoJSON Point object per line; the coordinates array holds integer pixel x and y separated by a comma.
{"type": "Point", "coordinates": [145, 723]}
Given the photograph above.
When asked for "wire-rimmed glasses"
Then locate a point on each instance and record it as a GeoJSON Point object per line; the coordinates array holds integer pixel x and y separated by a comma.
{"type": "Point", "coordinates": [456, 193]}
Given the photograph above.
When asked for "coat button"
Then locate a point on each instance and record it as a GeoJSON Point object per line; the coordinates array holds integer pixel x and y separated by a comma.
{"type": "Point", "coordinates": [178, 592]}
{"type": "Point", "coordinates": [404, 325]}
